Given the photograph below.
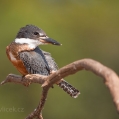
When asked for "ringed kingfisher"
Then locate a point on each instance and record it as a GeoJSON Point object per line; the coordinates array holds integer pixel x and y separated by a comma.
{"type": "Point", "coordinates": [28, 58]}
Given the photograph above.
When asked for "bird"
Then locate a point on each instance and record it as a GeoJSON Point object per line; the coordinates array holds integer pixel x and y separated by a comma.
{"type": "Point", "coordinates": [25, 54]}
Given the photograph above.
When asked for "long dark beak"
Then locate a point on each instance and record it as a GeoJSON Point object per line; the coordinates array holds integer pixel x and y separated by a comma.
{"type": "Point", "coordinates": [47, 40]}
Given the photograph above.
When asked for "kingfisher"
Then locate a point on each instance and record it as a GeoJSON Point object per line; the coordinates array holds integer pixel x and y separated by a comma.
{"type": "Point", "coordinates": [25, 54]}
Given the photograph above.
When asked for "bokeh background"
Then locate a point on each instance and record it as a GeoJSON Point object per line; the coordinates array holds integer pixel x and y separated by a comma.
{"type": "Point", "coordinates": [87, 29]}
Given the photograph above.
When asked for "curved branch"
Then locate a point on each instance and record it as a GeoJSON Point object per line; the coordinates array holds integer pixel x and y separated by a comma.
{"type": "Point", "coordinates": [110, 77]}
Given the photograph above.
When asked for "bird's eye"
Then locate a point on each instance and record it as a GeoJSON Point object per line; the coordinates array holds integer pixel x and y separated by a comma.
{"type": "Point", "coordinates": [36, 33]}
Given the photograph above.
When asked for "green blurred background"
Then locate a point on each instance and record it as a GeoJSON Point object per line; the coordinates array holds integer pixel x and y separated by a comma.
{"type": "Point", "coordinates": [87, 29]}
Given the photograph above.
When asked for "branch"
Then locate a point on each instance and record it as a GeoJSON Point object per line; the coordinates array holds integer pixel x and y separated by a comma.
{"type": "Point", "coordinates": [26, 80]}
{"type": "Point", "coordinates": [110, 77]}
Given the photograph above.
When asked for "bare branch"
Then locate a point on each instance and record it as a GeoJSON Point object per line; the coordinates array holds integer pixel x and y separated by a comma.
{"type": "Point", "coordinates": [38, 111]}
{"type": "Point", "coordinates": [110, 77]}
{"type": "Point", "coordinates": [26, 80]}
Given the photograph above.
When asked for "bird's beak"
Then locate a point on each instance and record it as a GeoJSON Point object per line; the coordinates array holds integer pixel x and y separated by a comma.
{"type": "Point", "coordinates": [47, 40]}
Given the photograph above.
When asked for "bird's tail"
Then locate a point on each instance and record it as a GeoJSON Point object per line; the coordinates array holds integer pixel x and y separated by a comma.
{"type": "Point", "coordinates": [73, 92]}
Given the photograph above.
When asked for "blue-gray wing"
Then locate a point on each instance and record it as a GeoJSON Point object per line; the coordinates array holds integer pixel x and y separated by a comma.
{"type": "Point", "coordinates": [51, 62]}
{"type": "Point", "coordinates": [35, 62]}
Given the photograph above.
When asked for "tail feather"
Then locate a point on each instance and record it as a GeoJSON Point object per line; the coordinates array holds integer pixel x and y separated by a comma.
{"type": "Point", "coordinates": [73, 92]}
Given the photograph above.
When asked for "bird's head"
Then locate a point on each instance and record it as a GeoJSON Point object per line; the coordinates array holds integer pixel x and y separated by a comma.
{"type": "Point", "coordinates": [33, 36]}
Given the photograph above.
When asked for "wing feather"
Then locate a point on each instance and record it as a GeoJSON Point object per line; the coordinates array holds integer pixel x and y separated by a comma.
{"type": "Point", "coordinates": [51, 62]}
{"type": "Point", "coordinates": [35, 62]}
